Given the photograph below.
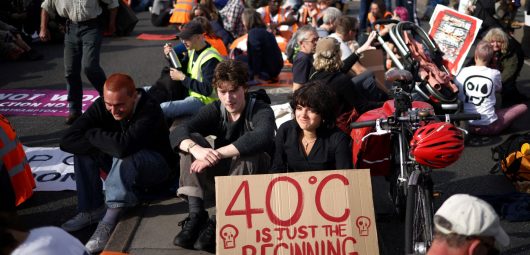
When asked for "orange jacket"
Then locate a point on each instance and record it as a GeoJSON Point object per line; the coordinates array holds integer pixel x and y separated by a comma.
{"type": "Point", "coordinates": [181, 11]}
{"type": "Point", "coordinates": [217, 43]}
{"type": "Point", "coordinates": [15, 162]}
{"type": "Point", "coordinates": [371, 18]}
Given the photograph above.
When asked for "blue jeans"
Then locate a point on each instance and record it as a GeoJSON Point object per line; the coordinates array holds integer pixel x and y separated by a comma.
{"type": "Point", "coordinates": [187, 106]}
{"type": "Point", "coordinates": [142, 169]}
{"type": "Point", "coordinates": [82, 44]}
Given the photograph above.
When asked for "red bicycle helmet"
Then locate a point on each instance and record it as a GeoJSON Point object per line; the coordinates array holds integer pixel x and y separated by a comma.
{"type": "Point", "coordinates": [437, 145]}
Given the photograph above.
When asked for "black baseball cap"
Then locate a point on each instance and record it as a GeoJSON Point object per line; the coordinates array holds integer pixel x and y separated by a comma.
{"type": "Point", "coordinates": [190, 29]}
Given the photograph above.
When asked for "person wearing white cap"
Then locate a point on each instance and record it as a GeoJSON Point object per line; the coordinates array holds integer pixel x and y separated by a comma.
{"type": "Point", "coordinates": [464, 225]}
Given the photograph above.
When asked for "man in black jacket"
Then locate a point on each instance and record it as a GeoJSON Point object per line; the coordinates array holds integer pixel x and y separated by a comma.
{"type": "Point", "coordinates": [244, 129]}
{"type": "Point", "coordinates": [125, 135]}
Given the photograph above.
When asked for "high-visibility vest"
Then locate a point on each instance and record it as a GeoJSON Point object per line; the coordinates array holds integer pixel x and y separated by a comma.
{"type": "Point", "coordinates": [15, 162]}
{"type": "Point", "coordinates": [195, 71]}
{"type": "Point", "coordinates": [267, 18]}
{"type": "Point", "coordinates": [181, 11]}
{"type": "Point", "coordinates": [287, 34]}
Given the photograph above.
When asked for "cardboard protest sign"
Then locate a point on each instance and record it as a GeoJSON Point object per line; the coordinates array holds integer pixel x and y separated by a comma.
{"type": "Point", "coordinates": [324, 212]}
{"type": "Point", "coordinates": [454, 33]}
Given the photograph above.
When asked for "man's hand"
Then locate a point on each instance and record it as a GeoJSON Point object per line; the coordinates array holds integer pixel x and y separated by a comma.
{"type": "Point", "coordinates": [208, 155]}
{"type": "Point", "coordinates": [176, 75]}
{"type": "Point", "coordinates": [167, 49]}
{"type": "Point", "coordinates": [111, 29]}
{"type": "Point", "coordinates": [112, 20]}
{"type": "Point", "coordinates": [44, 34]}
{"type": "Point", "coordinates": [198, 166]}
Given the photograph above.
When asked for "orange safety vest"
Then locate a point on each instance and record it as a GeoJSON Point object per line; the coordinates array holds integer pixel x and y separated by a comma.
{"type": "Point", "coordinates": [181, 11]}
{"type": "Point", "coordinates": [305, 15]}
{"type": "Point", "coordinates": [15, 162]}
{"type": "Point", "coordinates": [281, 17]}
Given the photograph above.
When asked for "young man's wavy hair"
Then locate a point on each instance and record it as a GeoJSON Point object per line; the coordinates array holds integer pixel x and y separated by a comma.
{"type": "Point", "coordinates": [230, 71]}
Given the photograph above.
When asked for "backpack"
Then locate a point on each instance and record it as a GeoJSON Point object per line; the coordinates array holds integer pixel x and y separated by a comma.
{"type": "Point", "coordinates": [513, 157]}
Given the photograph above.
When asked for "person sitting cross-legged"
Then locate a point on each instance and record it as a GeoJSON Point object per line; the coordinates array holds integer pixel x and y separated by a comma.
{"type": "Point", "coordinates": [196, 78]}
{"type": "Point", "coordinates": [244, 127]}
{"type": "Point", "coordinates": [124, 134]}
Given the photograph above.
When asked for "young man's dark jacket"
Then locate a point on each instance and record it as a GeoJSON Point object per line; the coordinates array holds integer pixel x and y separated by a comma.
{"type": "Point", "coordinates": [208, 121]}
{"type": "Point", "coordinates": [97, 131]}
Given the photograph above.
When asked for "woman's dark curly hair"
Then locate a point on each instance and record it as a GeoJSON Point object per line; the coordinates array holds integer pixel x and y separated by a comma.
{"type": "Point", "coordinates": [233, 71]}
{"type": "Point", "coordinates": [320, 98]}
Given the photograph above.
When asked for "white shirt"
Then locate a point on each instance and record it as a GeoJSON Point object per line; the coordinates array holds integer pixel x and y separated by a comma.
{"type": "Point", "coordinates": [477, 86]}
{"type": "Point", "coordinates": [78, 10]}
{"type": "Point", "coordinates": [50, 241]}
{"type": "Point", "coordinates": [345, 51]}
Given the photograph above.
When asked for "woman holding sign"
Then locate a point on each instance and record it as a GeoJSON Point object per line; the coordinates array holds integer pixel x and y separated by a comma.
{"type": "Point", "coordinates": [312, 141]}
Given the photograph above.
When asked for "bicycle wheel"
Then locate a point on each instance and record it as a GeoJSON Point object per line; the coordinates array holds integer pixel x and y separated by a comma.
{"type": "Point", "coordinates": [418, 220]}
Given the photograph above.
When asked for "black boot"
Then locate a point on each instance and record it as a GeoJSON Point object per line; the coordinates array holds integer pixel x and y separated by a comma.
{"type": "Point", "coordinates": [206, 240]}
{"type": "Point", "coordinates": [191, 228]}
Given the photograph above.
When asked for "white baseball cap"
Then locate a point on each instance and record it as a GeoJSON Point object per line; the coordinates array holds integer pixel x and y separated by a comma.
{"type": "Point", "coordinates": [469, 216]}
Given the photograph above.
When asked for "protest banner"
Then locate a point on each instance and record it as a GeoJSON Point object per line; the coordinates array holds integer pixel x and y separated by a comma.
{"type": "Point", "coordinates": [52, 168]}
{"type": "Point", "coordinates": [454, 33]}
{"type": "Point", "coordinates": [40, 102]}
{"type": "Point", "coordinates": [324, 212]}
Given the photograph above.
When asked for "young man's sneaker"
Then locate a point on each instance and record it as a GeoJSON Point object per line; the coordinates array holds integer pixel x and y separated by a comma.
{"type": "Point", "coordinates": [191, 228]}
{"type": "Point", "coordinates": [84, 219]}
{"type": "Point", "coordinates": [101, 236]}
{"type": "Point", "coordinates": [206, 240]}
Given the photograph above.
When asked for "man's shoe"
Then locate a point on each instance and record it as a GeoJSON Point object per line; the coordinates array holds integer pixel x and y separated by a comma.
{"type": "Point", "coordinates": [191, 228]}
{"type": "Point", "coordinates": [84, 219]}
{"type": "Point", "coordinates": [101, 236]}
{"type": "Point", "coordinates": [206, 240]}
{"type": "Point", "coordinates": [72, 116]}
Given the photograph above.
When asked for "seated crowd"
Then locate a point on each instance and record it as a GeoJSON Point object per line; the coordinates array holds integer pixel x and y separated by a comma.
{"type": "Point", "coordinates": [125, 132]}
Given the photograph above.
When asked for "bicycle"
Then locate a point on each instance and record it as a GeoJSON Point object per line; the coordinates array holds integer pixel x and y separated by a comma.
{"type": "Point", "coordinates": [411, 183]}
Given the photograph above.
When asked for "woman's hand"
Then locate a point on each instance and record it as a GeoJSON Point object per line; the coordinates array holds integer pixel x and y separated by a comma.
{"type": "Point", "coordinates": [367, 45]}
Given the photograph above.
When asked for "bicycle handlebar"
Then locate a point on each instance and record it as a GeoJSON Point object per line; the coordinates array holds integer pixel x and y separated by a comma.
{"type": "Point", "coordinates": [456, 117]}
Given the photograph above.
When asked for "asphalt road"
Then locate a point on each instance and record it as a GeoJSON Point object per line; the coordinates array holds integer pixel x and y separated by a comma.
{"type": "Point", "coordinates": [143, 61]}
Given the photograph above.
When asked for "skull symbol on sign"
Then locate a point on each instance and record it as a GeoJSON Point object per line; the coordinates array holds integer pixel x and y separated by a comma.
{"type": "Point", "coordinates": [229, 234]}
{"type": "Point", "coordinates": [477, 88]}
{"type": "Point", "coordinates": [363, 223]}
